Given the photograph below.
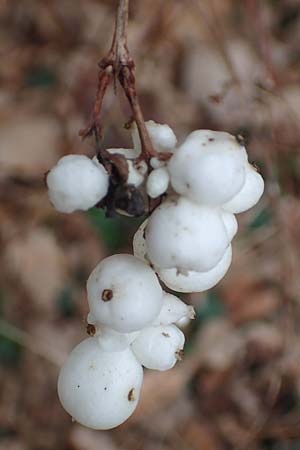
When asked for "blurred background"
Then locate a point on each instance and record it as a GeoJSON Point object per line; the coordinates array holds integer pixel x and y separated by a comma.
{"type": "Point", "coordinates": [220, 64]}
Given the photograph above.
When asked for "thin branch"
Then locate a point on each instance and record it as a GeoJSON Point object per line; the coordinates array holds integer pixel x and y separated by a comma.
{"type": "Point", "coordinates": [262, 36]}
{"type": "Point", "coordinates": [127, 80]}
{"type": "Point", "coordinates": [104, 78]}
{"type": "Point", "coordinates": [120, 36]}
{"type": "Point", "coordinates": [34, 344]}
{"type": "Point", "coordinates": [119, 65]}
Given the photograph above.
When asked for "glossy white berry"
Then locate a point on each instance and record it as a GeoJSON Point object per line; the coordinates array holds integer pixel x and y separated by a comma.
{"type": "Point", "coordinates": [139, 242]}
{"type": "Point", "coordinates": [192, 281]}
{"type": "Point", "coordinates": [159, 347]}
{"type": "Point", "coordinates": [173, 310]}
{"type": "Point", "coordinates": [114, 341]}
{"type": "Point", "coordinates": [91, 319]}
{"type": "Point", "coordinates": [183, 323]}
{"type": "Point", "coordinates": [124, 293]}
{"type": "Point", "coordinates": [250, 193]}
{"type": "Point", "coordinates": [157, 182]}
{"type": "Point", "coordinates": [135, 174]}
{"type": "Point", "coordinates": [230, 223]}
{"type": "Point", "coordinates": [185, 235]}
{"type": "Point", "coordinates": [162, 137]}
{"type": "Point", "coordinates": [99, 389]}
{"type": "Point", "coordinates": [209, 167]}
{"type": "Point", "coordinates": [76, 183]}
{"type": "Point", "coordinates": [156, 163]}
{"type": "Point", "coordinates": [111, 340]}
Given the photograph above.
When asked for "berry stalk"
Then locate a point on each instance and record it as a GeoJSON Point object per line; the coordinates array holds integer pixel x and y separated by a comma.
{"type": "Point", "coordinates": [118, 65]}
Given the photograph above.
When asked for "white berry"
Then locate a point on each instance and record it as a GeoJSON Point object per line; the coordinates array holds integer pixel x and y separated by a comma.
{"type": "Point", "coordinates": [135, 176]}
{"type": "Point", "coordinates": [192, 281]}
{"type": "Point", "coordinates": [156, 163]}
{"type": "Point", "coordinates": [184, 235]}
{"type": "Point", "coordinates": [91, 319]}
{"type": "Point", "coordinates": [99, 389]}
{"type": "Point", "coordinates": [173, 310]}
{"type": "Point", "coordinates": [124, 293]}
{"type": "Point", "coordinates": [139, 242]}
{"type": "Point", "coordinates": [157, 182]}
{"type": "Point", "coordinates": [209, 167]}
{"type": "Point", "coordinates": [162, 137]}
{"type": "Point", "coordinates": [250, 193]}
{"type": "Point", "coordinates": [76, 183]}
{"type": "Point", "coordinates": [230, 223]}
{"type": "Point", "coordinates": [114, 341]}
{"type": "Point", "coordinates": [159, 347]}
{"type": "Point", "coordinates": [111, 340]}
{"type": "Point", "coordinates": [183, 323]}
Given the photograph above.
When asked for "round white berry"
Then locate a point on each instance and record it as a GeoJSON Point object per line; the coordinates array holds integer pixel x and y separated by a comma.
{"type": "Point", "coordinates": [157, 182]}
{"type": "Point", "coordinates": [156, 163]}
{"type": "Point", "coordinates": [162, 137]}
{"type": "Point", "coordinates": [192, 281]}
{"type": "Point", "coordinates": [173, 310]}
{"type": "Point", "coordinates": [124, 293]}
{"type": "Point", "coordinates": [159, 347]}
{"type": "Point", "coordinates": [76, 183]}
{"type": "Point", "coordinates": [100, 390]}
{"type": "Point", "coordinates": [209, 167]}
{"type": "Point", "coordinates": [91, 319]}
{"type": "Point", "coordinates": [135, 176]}
{"type": "Point", "coordinates": [185, 235]}
{"type": "Point", "coordinates": [113, 341]}
{"type": "Point", "coordinates": [250, 193]}
{"type": "Point", "coordinates": [183, 323]}
{"type": "Point", "coordinates": [230, 223]}
{"type": "Point", "coordinates": [139, 242]}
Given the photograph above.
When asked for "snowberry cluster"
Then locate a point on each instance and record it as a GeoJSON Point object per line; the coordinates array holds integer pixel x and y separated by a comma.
{"type": "Point", "coordinates": [185, 243]}
{"type": "Point", "coordinates": [187, 239]}
{"type": "Point", "coordinates": [133, 325]}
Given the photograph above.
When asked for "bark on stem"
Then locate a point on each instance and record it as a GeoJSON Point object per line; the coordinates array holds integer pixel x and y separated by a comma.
{"type": "Point", "coordinates": [119, 65]}
{"type": "Point", "coordinates": [120, 34]}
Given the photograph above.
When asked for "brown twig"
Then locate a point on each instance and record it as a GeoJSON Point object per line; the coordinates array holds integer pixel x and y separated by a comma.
{"type": "Point", "coordinates": [262, 37]}
{"type": "Point", "coordinates": [120, 35]}
{"type": "Point", "coordinates": [104, 78]}
{"type": "Point", "coordinates": [119, 65]}
{"type": "Point", "coordinates": [127, 80]}
{"type": "Point", "coordinates": [38, 346]}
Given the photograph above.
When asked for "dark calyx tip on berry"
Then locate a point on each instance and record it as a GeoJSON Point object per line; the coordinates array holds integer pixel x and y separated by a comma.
{"type": "Point", "coordinates": [91, 329]}
{"type": "Point", "coordinates": [107, 295]}
{"type": "Point", "coordinates": [131, 396]}
{"type": "Point", "coordinates": [242, 137]}
{"type": "Point", "coordinates": [179, 354]}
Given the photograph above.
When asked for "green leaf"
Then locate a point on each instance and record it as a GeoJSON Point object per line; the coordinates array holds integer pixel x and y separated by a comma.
{"type": "Point", "coordinates": [263, 218]}
{"type": "Point", "coordinates": [212, 308]}
{"type": "Point", "coordinates": [65, 303]}
{"type": "Point", "coordinates": [40, 77]}
{"type": "Point", "coordinates": [10, 352]}
{"type": "Point", "coordinates": [114, 232]}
